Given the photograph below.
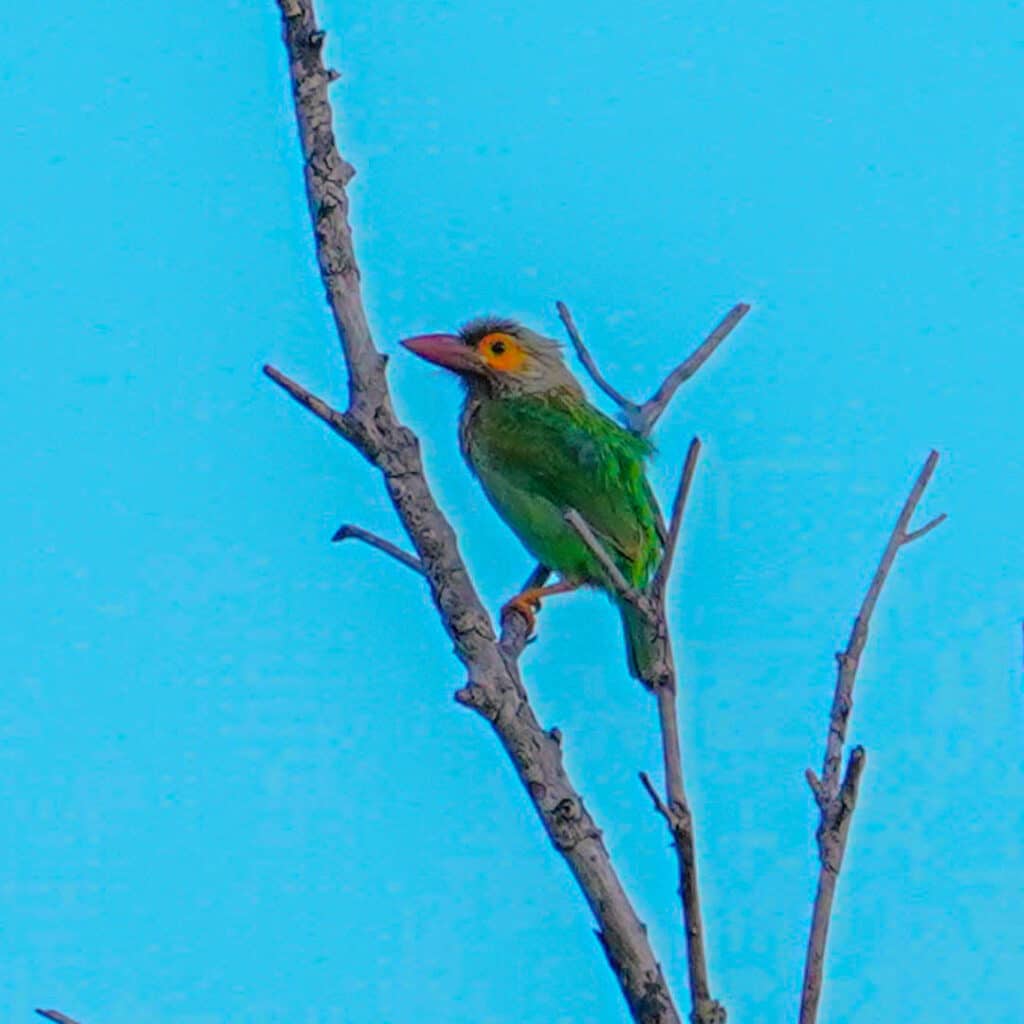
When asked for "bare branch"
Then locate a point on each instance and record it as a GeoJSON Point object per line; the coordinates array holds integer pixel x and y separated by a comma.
{"type": "Point", "coordinates": [675, 809]}
{"type": "Point", "coordinates": [678, 508]}
{"type": "Point", "coordinates": [704, 1009]}
{"type": "Point", "coordinates": [837, 799]}
{"type": "Point", "coordinates": [927, 528]}
{"type": "Point", "coordinates": [651, 411]}
{"type": "Point", "coordinates": [848, 661]}
{"type": "Point", "coordinates": [814, 782]}
{"type": "Point", "coordinates": [641, 418]}
{"type": "Point", "coordinates": [495, 688]}
{"type": "Point", "coordinates": [662, 672]}
{"type": "Point", "coordinates": [659, 804]}
{"type": "Point", "coordinates": [339, 422]}
{"type": "Point", "coordinates": [56, 1016]}
{"type": "Point", "coordinates": [584, 356]}
{"type": "Point", "coordinates": [612, 572]}
{"type": "Point", "coordinates": [349, 531]}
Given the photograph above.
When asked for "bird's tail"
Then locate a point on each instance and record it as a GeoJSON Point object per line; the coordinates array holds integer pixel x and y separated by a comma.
{"type": "Point", "coordinates": [640, 652]}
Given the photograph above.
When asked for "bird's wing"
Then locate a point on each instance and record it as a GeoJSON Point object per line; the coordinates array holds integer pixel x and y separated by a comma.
{"type": "Point", "coordinates": [575, 457]}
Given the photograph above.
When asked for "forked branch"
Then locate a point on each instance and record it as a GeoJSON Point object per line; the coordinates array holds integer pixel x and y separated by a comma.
{"type": "Point", "coordinates": [837, 797]}
{"type": "Point", "coordinates": [660, 678]}
{"type": "Point", "coordinates": [641, 417]}
{"type": "Point", "coordinates": [676, 808]}
{"type": "Point", "coordinates": [495, 688]}
{"type": "Point", "coordinates": [660, 672]}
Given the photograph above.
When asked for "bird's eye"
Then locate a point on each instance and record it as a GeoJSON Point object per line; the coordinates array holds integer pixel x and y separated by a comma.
{"type": "Point", "coordinates": [498, 348]}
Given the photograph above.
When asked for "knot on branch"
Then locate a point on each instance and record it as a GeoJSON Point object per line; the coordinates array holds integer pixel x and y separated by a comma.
{"type": "Point", "coordinates": [569, 824]}
{"type": "Point", "coordinates": [708, 1011]}
{"type": "Point", "coordinates": [474, 696]}
{"type": "Point", "coordinates": [652, 1004]}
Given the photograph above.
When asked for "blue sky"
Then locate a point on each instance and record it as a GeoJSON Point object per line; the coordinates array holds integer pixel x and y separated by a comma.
{"type": "Point", "coordinates": [235, 785]}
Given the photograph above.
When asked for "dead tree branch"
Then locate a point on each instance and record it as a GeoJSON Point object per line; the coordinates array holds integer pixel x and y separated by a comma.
{"type": "Point", "coordinates": [56, 1016]}
{"type": "Point", "coordinates": [660, 678]}
{"type": "Point", "coordinates": [583, 354]}
{"type": "Point", "coordinates": [675, 809]}
{"type": "Point", "coordinates": [837, 798]}
{"type": "Point", "coordinates": [641, 417]}
{"type": "Point", "coordinates": [348, 531]}
{"type": "Point", "coordinates": [495, 688]}
{"type": "Point", "coordinates": [678, 507]}
{"type": "Point", "coordinates": [660, 675]}
{"type": "Point", "coordinates": [613, 574]}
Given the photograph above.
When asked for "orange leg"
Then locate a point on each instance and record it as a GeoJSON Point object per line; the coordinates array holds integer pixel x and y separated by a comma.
{"type": "Point", "coordinates": [527, 603]}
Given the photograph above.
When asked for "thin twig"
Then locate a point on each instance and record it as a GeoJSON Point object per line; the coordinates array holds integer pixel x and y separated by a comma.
{"type": "Point", "coordinates": [837, 798]}
{"type": "Point", "coordinates": [705, 1009]}
{"type": "Point", "coordinates": [56, 1016]}
{"type": "Point", "coordinates": [495, 688]}
{"type": "Point", "coordinates": [584, 356]}
{"type": "Point", "coordinates": [349, 531]}
{"type": "Point", "coordinates": [678, 508]}
{"type": "Point", "coordinates": [652, 409]}
{"type": "Point", "coordinates": [652, 792]}
{"type": "Point", "coordinates": [848, 661]}
{"type": "Point", "coordinates": [341, 423]}
{"type": "Point", "coordinates": [641, 418]}
{"type": "Point", "coordinates": [927, 528]}
{"type": "Point", "coordinates": [612, 572]}
{"type": "Point", "coordinates": [675, 809]}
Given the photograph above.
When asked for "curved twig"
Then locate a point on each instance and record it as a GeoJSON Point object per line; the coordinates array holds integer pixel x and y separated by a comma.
{"type": "Point", "coordinates": [349, 531]}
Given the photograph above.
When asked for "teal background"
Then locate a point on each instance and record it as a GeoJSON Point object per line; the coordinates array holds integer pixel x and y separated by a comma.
{"type": "Point", "coordinates": [234, 783]}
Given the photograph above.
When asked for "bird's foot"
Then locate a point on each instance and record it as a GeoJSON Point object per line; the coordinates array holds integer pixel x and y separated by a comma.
{"type": "Point", "coordinates": [526, 604]}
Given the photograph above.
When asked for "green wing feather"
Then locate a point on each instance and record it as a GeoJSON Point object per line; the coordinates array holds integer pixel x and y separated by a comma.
{"type": "Point", "coordinates": [537, 456]}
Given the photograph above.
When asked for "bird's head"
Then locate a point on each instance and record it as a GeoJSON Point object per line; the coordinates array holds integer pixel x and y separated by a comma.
{"type": "Point", "coordinates": [498, 358]}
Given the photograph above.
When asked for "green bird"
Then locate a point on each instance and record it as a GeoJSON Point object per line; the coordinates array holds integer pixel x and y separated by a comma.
{"type": "Point", "coordinates": [538, 448]}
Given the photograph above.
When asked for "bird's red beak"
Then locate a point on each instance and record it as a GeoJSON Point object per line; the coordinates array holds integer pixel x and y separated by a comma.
{"type": "Point", "coordinates": [447, 350]}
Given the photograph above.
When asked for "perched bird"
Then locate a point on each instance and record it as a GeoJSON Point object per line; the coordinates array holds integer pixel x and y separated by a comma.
{"type": "Point", "coordinates": [538, 448]}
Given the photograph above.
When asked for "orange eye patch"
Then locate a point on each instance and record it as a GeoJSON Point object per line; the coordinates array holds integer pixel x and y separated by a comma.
{"type": "Point", "coordinates": [501, 352]}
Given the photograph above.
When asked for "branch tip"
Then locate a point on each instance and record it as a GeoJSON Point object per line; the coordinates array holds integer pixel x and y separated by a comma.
{"type": "Point", "coordinates": [837, 798]}
{"type": "Point", "coordinates": [348, 531]}
{"type": "Point", "coordinates": [659, 804]}
{"type": "Point", "coordinates": [583, 354]}
{"type": "Point", "coordinates": [651, 411]}
{"type": "Point", "coordinates": [923, 530]}
{"type": "Point", "coordinates": [676, 522]}
{"type": "Point", "coordinates": [340, 422]}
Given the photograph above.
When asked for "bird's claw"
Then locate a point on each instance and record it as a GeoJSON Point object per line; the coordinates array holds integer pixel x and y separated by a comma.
{"type": "Point", "coordinates": [527, 606]}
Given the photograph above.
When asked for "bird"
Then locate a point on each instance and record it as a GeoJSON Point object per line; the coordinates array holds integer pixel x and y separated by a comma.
{"type": "Point", "coordinates": [539, 448]}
